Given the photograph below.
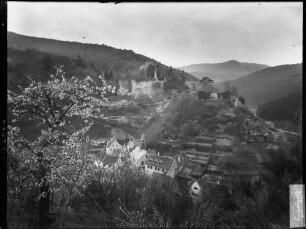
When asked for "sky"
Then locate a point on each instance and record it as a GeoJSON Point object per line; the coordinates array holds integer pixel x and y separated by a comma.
{"type": "Point", "coordinates": [176, 34]}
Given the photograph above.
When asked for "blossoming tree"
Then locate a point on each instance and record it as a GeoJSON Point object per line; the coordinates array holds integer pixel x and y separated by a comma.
{"type": "Point", "coordinates": [63, 110]}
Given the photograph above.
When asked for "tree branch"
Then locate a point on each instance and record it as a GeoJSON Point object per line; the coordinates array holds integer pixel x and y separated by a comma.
{"type": "Point", "coordinates": [65, 112]}
{"type": "Point", "coordinates": [50, 104]}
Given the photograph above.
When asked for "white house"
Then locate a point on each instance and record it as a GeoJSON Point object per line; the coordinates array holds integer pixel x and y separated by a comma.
{"type": "Point", "coordinates": [109, 161]}
{"type": "Point", "coordinates": [238, 103]}
{"type": "Point", "coordinates": [214, 95]}
{"type": "Point", "coordinates": [160, 164]}
{"type": "Point", "coordinates": [138, 157]}
{"type": "Point", "coordinates": [133, 143]}
{"type": "Point", "coordinates": [114, 148]}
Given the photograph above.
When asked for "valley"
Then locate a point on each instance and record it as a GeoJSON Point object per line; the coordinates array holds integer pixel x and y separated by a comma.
{"type": "Point", "coordinates": [165, 136]}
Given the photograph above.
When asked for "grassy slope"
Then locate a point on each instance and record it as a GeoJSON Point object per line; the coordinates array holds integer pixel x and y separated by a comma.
{"type": "Point", "coordinates": [268, 84]}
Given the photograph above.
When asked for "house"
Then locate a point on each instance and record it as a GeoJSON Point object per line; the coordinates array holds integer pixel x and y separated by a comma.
{"type": "Point", "coordinates": [133, 143]}
{"type": "Point", "coordinates": [114, 148]}
{"type": "Point", "coordinates": [160, 164]}
{"type": "Point", "coordinates": [138, 157]}
{"type": "Point", "coordinates": [238, 103]}
{"type": "Point", "coordinates": [214, 95]}
{"type": "Point", "coordinates": [108, 161]}
{"type": "Point", "coordinates": [198, 186]}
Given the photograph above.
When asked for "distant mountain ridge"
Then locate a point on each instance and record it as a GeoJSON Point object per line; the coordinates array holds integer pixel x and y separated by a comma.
{"type": "Point", "coordinates": [268, 84]}
{"type": "Point", "coordinates": [123, 63]}
{"type": "Point", "coordinates": [223, 71]}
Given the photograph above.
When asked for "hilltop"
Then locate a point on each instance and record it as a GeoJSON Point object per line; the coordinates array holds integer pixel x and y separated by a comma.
{"type": "Point", "coordinates": [80, 58]}
{"type": "Point", "coordinates": [268, 84]}
{"type": "Point", "coordinates": [223, 71]}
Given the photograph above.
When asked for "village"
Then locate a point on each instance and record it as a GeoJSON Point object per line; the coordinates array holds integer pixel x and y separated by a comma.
{"type": "Point", "coordinates": [198, 162]}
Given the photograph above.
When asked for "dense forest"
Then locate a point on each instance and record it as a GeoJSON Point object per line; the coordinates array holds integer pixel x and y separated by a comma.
{"type": "Point", "coordinates": [285, 111]}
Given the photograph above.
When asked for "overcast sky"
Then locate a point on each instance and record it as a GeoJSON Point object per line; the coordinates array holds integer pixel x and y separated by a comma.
{"type": "Point", "coordinates": [175, 34]}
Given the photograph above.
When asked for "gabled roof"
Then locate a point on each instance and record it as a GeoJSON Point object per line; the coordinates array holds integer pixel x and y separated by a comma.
{"type": "Point", "coordinates": [138, 153]}
{"type": "Point", "coordinates": [159, 161]}
{"type": "Point", "coordinates": [109, 160]}
{"type": "Point", "coordinates": [110, 142]}
{"type": "Point", "coordinates": [208, 179]}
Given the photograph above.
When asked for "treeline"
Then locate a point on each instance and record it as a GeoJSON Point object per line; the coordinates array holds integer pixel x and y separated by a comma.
{"type": "Point", "coordinates": [285, 108]}
{"type": "Point", "coordinates": [40, 65]}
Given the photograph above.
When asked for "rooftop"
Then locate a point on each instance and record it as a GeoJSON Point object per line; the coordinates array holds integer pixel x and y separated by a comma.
{"type": "Point", "coordinates": [109, 160]}
{"type": "Point", "coordinates": [207, 178]}
{"type": "Point", "coordinates": [138, 153]}
{"type": "Point", "coordinates": [160, 161]}
{"type": "Point", "coordinates": [111, 141]}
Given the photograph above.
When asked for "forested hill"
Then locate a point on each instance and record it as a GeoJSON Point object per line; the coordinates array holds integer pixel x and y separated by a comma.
{"type": "Point", "coordinates": [268, 84]}
{"type": "Point", "coordinates": [287, 108]}
{"type": "Point", "coordinates": [89, 58]}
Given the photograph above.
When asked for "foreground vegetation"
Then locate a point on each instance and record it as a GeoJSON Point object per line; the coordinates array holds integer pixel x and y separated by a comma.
{"type": "Point", "coordinates": [127, 198]}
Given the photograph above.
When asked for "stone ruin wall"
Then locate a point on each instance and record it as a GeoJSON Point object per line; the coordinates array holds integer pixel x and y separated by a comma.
{"type": "Point", "coordinates": [150, 88]}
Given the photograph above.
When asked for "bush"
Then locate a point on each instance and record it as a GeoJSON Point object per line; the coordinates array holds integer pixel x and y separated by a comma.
{"type": "Point", "coordinates": [203, 95]}
{"type": "Point", "coordinates": [243, 111]}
